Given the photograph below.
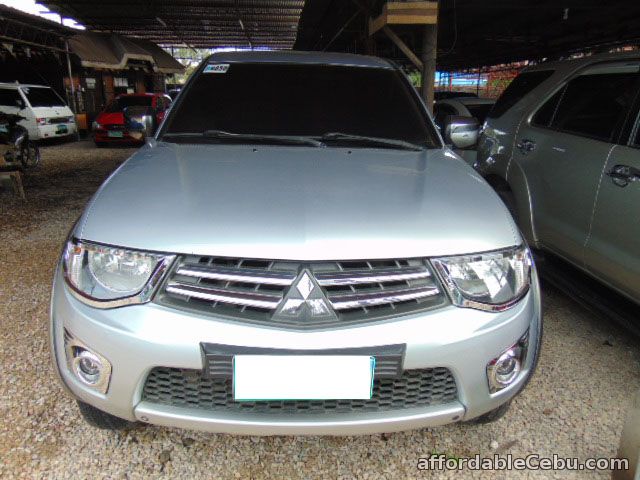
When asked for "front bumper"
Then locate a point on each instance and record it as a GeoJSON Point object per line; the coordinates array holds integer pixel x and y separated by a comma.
{"type": "Point", "coordinates": [137, 338]}
{"type": "Point", "coordinates": [102, 136]}
{"type": "Point", "coordinates": [56, 131]}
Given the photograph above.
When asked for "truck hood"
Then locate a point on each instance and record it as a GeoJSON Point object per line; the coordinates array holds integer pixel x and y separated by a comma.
{"type": "Point", "coordinates": [298, 203]}
{"type": "Point", "coordinates": [49, 112]}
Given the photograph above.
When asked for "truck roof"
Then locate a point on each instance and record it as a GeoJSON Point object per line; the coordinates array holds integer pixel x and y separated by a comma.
{"type": "Point", "coordinates": [288, 56]}
{"type": "Point", "coordinates": [575, 63]}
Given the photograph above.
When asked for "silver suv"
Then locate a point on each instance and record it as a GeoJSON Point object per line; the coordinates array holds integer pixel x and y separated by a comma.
{"type": "Point", "coordinates": [295, 252]}
{"type": "Point", "coordinates": [562, 147]}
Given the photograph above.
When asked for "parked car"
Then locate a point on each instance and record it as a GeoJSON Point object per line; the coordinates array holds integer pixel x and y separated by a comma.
{"type": "Point", "coordinates": [45, 114]}
{"type": "Point", "coordinates": [474, 107]}
{"type": "Point", "coordinates": [110, 126]}
{"type": "Point", "coordinates": [275, 262]}
{"type": "Point", "coordinates": [562, 147]}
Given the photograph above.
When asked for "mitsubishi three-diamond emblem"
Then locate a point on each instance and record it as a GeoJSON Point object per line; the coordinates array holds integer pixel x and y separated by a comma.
{"type": "Point", "coordinates": [305, 300]}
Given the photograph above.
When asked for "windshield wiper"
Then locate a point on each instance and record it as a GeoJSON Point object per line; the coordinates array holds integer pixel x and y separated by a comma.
{"type": "Point", "coordinates": [383, 142]}
{"type": "Point", "coordinates": [250, 137]}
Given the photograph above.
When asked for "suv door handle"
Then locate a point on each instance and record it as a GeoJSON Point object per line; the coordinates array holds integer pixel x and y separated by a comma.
{"type": "Point", "coordinates": [622, 175]}
{"type": "Point", "coordinates": [525, 146]}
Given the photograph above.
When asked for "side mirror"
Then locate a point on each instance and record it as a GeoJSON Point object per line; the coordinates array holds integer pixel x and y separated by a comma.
{"type": "Point", "coordinates": [139, 121]}
{"type": "Point", "coordinates": [461, 132]}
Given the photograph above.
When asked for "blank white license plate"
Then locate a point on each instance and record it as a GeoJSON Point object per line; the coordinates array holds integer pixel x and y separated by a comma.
{"type": "Point", "coordinates": [302, 377]}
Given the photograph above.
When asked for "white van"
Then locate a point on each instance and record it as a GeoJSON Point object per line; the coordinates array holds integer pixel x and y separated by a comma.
{"type": "Point", "coordinates": [47, 115]}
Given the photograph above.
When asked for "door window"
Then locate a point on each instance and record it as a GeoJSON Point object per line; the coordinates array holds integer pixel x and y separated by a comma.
{"type": "Point", "coordinates": [545, 114]}
{"type": "Point", "coordinates": [479, 111]}
{"type": "Point", "coordinates": [596, 104]}
{"type": "Point", "coordinates": [9, 97]}
{"type": "Point", "coordinates": [634, 140]}
{"type": "Point", "coordinates": [518, 88]}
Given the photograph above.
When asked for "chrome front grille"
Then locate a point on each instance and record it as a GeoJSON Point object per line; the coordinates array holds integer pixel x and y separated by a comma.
{"type": "Point", "coordinates": [253, 290]}
{"type": "Point", "coordinates": [189, 388]}
{"type": "Point", "coordinates": [56, 120]}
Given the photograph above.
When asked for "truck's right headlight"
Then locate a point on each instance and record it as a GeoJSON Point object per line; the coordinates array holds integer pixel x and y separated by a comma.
{"type": "Point", "coordinates": [106, 277]}
{"type": "Point", "coordinates": [491, 281]}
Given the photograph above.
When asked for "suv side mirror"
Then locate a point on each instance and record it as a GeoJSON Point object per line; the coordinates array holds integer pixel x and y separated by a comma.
{"type": "Point", "coordinates": [461, 132]}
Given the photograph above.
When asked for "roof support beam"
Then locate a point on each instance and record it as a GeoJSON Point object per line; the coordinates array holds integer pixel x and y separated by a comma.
{"type": "Point", "coordinates": [405, 13]}
{"type": "Point", "coordinates": [404, 48]}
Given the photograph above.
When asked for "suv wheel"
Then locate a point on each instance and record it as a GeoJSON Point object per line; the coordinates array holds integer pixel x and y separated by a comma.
{"type": "Point", "coordinates": [99, 419]}
{"type": "Point", "coordinates": [492, 416]}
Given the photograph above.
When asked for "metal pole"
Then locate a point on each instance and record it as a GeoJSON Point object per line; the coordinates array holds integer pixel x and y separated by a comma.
{"type": "Point", "coordinates": [73, 105]}
{"type": "Point", "coordinates": [73, 88]}
{"type": "Point", "coordinates": [429, 50]}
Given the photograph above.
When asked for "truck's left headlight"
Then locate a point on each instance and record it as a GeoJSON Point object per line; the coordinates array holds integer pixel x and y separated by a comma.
{"type": "Point", "coordinates": [491, 281]}
{"type": "Point", "coordinates": [108, 277]}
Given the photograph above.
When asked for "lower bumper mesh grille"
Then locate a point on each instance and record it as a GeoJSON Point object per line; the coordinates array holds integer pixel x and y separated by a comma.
{"type": "Point", "coordinates": [188, 388]}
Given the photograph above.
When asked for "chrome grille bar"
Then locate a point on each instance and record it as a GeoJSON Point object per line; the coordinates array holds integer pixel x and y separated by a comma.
{"type": "Point", "coordinates": [359, 300]}
{"type": "Point", "coordinates": [235, 297]}
{"type": "Point", "coordinates": [252, 290]}
{"type": "Point", "coordinates": [357, 277]}
{"type": "Point", "coordinates": [247, 275]}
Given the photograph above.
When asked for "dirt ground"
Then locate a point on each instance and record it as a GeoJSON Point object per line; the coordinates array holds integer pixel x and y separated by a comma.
{"type": "Point", "coordinates": [573, 407]}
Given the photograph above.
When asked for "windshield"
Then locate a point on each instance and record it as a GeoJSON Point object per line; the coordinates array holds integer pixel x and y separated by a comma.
{"type": "Point", "coordinates": [42, 97]}
{"type": "Point", "coordinates": [302, 100]}
{"type": "Point", "coordinates": [120, 103]}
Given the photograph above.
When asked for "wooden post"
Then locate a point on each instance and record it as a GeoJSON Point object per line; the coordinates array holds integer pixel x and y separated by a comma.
{"type": "Point", "coordinates": [402, 46]}
{"type": "Point", "coordinates": [429, 51]}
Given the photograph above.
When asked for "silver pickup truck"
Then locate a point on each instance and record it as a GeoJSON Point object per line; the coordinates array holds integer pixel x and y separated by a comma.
{"type": "Point", "coordinates": [296, 252]}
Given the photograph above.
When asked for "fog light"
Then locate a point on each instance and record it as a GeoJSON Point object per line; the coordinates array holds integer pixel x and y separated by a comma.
{"type": "Point", "coordinates": [91, 368]}
{"type": "Point", "coordinates": [505, 369]}
{"type": "Point", "coordinates": [87, 366]}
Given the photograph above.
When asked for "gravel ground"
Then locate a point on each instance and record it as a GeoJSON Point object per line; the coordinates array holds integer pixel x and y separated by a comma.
{"type": "Point", "coordinates": [574, 406]}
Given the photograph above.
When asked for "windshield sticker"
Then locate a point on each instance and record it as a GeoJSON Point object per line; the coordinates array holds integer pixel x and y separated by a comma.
{"type": "Point", "coordinates": [216, 68]}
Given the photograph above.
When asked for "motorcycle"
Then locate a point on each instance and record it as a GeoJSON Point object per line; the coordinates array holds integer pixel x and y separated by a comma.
{"type": "Point", "coordinates": [19, 148]}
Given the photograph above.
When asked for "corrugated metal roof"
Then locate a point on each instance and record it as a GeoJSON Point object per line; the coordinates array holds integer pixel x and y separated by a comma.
{"type": "Point", "coordinates": [112, 51]}
{"type": "Point", "coordinates": [473, 33]}
{"type": "Point", "coordinates": [26, 29]}
{"type": "Point", "coordinates": [196, 23]}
